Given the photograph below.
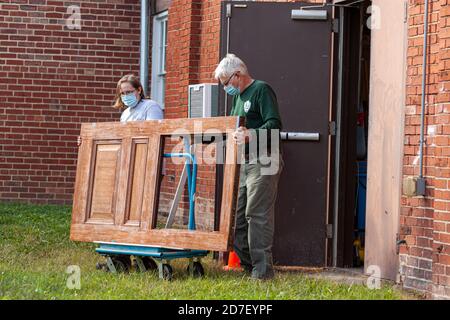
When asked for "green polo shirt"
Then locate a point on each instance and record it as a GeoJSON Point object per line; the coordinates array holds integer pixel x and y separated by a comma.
{"type": "Point", "coordinates": [258, 104]}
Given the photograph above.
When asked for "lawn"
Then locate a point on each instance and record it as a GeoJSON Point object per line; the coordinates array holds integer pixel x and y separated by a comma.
{"type": "Point", "coordinates": [35, 252]}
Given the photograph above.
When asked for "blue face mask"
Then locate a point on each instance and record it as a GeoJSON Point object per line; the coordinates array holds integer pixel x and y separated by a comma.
{"type": "Point", "coordinates": [129, 100]}
{"type": "Point", "coordinates": [231, 90]}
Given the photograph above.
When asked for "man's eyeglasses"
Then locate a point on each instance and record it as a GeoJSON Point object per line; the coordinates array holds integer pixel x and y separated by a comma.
{"type": "Point", "coordinates": [229, 79]}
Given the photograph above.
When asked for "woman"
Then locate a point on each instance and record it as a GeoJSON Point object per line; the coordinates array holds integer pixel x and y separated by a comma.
{"type": "Point", "coordinates": [130, 96]}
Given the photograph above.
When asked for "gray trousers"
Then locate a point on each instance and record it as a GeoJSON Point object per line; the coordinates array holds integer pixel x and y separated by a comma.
{"type": "Point", "coordinates": [255, 218]}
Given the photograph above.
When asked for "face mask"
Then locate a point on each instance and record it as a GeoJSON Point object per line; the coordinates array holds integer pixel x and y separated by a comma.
{"type": "Point", "coordinates": [232, 91]}
{"type": "Point", "coordinates": [129, 100]}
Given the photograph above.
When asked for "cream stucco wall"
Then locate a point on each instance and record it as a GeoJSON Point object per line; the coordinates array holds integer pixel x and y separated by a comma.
{"type": "Point", "coordinates": [385, 145]}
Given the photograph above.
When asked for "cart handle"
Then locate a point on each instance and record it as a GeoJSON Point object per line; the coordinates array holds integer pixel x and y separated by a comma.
{"type": "Point", "coordinates": [192, 182]}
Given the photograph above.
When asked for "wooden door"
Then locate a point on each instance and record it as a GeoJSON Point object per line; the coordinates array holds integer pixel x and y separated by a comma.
{"type": "Point", "coordinates": [116, 188]}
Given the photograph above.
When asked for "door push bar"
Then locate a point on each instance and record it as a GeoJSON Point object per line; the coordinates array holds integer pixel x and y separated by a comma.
{"type": "Point", "coordinates": [300, 136]}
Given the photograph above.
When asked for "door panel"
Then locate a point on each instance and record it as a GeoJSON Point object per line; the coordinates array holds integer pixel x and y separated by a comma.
{"type": "Point", "coordinates": [294, 57]}
{"type": "Point", "coordinates": [104, 184]}
{"type": "Point", "coordinates": [138, 169]}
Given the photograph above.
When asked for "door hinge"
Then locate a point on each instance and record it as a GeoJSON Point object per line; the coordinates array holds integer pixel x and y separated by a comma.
{"type": "Point", "coordinates": [335, 25]}
{"type": "Point", "coordinates": [329, 231]}
{"type": "Point", "coordinates": [332, 128]}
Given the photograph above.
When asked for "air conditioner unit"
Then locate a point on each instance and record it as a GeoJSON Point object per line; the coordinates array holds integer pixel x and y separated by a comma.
{"type": "Point", "coordinates": [203, 100]}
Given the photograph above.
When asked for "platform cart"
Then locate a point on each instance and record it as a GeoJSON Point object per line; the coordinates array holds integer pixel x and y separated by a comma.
{"type": "Point", "coordinates": [118, 255]}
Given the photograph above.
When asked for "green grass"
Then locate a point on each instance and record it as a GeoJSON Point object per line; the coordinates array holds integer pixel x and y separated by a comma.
{"type": "Point", "coordinates": [35, 252]}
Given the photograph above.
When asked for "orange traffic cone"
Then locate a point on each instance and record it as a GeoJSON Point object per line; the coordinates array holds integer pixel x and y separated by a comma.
{"type": "Point", "coordinates": [234, 263]}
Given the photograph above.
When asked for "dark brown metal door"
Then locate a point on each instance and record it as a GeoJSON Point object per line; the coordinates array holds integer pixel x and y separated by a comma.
{"type": "Point", "coordinates": [294, 57]}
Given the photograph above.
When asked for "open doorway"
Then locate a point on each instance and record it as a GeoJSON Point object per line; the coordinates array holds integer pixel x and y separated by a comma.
{"type": "Point", "coordinates": [354, 109]}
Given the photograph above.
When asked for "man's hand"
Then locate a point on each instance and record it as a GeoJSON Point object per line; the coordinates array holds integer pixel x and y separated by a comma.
{"type": "Point", "coordinates": [79, 141]}
{"type": "Point", "coordinates": [241, 135]}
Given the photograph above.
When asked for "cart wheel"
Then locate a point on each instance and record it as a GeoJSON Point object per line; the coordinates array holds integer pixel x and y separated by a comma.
{"type": "Point", "coordinates": [167, 272]}
{"type": "Point", "coordinates": [198, 270]}
{"type": "Point", "coordinates": [126, 260]}
{"type": "Point", "coordinates": [149, 263]}
{"type": "Point", "coordinates": [122, 263]}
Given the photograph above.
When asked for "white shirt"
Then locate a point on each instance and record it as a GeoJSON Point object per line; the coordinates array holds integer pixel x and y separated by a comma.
{"type": "Point", "coordinates": [146, 109]}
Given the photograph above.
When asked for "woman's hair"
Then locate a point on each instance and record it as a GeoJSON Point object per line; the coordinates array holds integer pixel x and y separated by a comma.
{"type": "Point", "coordinates": [134, 81]}
{"type": "Point", "coordinates": [229, 65]}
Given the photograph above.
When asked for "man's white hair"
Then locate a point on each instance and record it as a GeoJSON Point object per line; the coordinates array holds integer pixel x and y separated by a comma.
{"type": "Point", "coordinates": [229, 65]}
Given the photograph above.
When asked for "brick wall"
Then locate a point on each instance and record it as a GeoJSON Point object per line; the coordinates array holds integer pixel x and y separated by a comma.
{"type": "Point", "coordinates": [425, 221]}
{"type": "Point", "coordinates": [52, 79]}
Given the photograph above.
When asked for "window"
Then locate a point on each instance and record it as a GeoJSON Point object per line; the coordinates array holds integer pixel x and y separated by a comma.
{"type": "Point", "coordinates": [159, 58]}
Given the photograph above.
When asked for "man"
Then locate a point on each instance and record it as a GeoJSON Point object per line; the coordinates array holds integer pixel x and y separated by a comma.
{"type": "Point", "coordinates": [256, 101]}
